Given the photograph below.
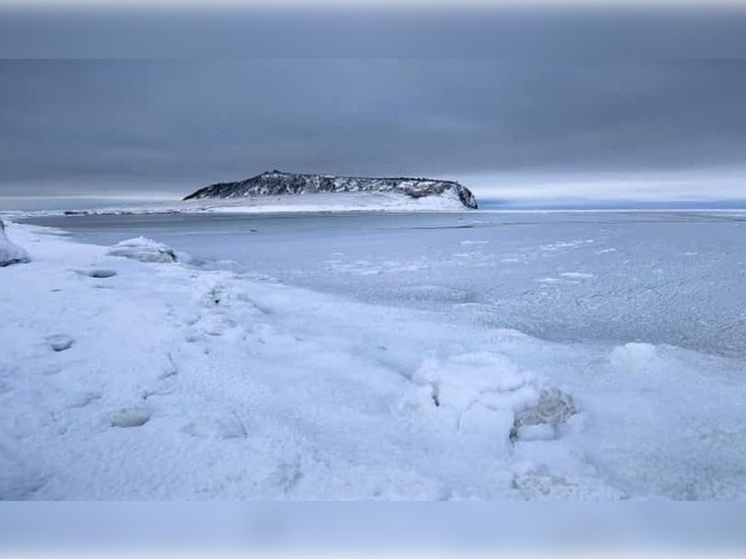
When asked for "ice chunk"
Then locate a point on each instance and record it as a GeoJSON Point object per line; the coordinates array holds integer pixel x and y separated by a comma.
{"type": "Point", "coordinates": [144, 250]}
{"type": "Point", "coordinates": [10, 253]}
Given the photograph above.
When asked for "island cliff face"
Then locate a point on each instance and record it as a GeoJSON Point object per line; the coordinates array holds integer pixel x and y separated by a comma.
{"type": "Point", "coordinates": [277, 183]}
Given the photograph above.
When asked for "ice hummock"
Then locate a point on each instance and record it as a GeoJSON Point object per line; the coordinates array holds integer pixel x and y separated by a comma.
{"type": "Point", "coordinates": [10, 253]}
{"type": "Point", "coordinates": [144, 250]}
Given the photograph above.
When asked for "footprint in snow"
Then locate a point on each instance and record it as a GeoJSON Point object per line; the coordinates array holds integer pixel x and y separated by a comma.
{"type": "Point", "coordinates": [83, 399]}
{"type": "Point", "coordinates": [60, 342]}
{"type": "Point", "coordinates": [286, 476]}
{"type": "Point", "coordinates": [170, 370]}
{"type": "Point", "coordinates": [194, 337]}
{"type": "Point", "coordinates": [97, 273]}
{"type": "Point", "coordinates": [18, 479]}
{"type": "Point", "coordinates": [215, 324]}
{"type": "Point", "coordinates": [51, 370]}
{"type": "Point", "coordinates": [218, 425]}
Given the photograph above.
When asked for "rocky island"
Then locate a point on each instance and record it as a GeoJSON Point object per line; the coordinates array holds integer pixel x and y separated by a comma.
{"type": "Point", "coordinates": [439, 193]}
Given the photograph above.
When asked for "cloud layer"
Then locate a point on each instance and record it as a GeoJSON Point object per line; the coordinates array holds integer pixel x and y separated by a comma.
{"type": "Point", "coordinates": [118, 127]}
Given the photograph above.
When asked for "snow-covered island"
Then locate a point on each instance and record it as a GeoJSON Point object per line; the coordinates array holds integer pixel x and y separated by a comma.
{"type": "Point", "coordinates": [363, 192]}
{"type": "Point", "coordinates": [276, 192]}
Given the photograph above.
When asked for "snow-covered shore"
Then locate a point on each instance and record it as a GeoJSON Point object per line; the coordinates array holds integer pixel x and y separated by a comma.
{"type": "Point", "coordinates": [122, 379]}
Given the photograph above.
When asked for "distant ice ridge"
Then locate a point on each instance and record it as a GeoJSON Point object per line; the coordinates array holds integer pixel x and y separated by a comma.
{"type": "Point", "coordinates": [10, 253]}
{"type": "Point", "coordinates": [278, 192]}
{"type": "Point", "coordinates": [279, 184]}
{"type": "Point", "coordinates": [340, 202]}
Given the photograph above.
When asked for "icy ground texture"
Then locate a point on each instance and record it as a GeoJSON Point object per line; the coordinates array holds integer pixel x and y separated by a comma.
{"type": "Point", "coordinates": [672, 278]}
{"type": "Point", "coordinates": [163, 381]}
{"type": "Point", "coordinates": [10, 253]}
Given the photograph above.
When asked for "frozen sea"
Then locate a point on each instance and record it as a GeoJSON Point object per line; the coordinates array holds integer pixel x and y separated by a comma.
{"type": "Point", "coordinates": [451, 356]}
{"type": "Point", "coordinates": [657, 277]}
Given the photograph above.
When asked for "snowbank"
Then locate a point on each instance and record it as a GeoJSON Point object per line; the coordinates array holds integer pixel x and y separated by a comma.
{"type": "Point", "coordinates": [122, 380]}
{"type": "Point", "coordinates": [10, 253]}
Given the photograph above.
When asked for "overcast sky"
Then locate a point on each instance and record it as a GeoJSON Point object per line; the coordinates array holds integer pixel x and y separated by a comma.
{"type": "Point", "coordinates": [528, 130]}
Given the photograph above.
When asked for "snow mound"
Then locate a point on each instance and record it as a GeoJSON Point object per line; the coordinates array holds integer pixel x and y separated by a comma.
{"type": "Point", "coordinates": [144, 250]}
{"type": "Point", "coordinates": [463, 379]}
{"type": "Point", "coordinates": [130, 417]}
{"type": "Point", "coordinates": [10, 253]}
{"type": "Point", "coordinates": [485, 392]}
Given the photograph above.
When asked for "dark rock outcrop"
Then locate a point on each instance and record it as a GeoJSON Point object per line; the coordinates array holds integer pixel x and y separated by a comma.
{"type": "Point", "coordinates": [277, 183]}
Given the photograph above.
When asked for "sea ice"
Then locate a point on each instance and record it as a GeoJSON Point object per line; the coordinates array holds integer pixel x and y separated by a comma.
{"type": "Point", "coordinates": [286, 392]}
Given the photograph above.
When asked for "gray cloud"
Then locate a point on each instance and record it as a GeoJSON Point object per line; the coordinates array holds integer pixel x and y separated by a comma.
{"type": "Point", "coordinates": [112, 127]}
